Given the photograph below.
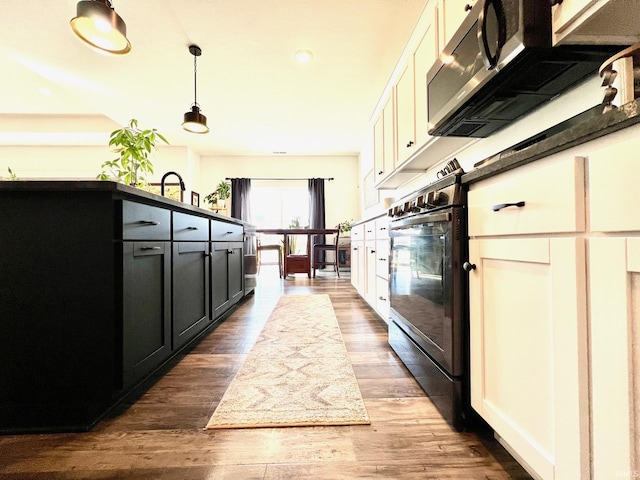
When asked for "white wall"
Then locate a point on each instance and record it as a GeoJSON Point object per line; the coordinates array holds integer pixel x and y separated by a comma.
{"type": "Point", "coordinates": [342, 195]}
{"type": "Point", "coordinates": [84, 162]}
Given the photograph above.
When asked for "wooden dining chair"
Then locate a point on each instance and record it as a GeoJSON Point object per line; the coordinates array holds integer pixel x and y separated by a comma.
{"type": "Point", "coordinates": [319, 255]}
{"type": "Point", "coordinates": [269, 247]}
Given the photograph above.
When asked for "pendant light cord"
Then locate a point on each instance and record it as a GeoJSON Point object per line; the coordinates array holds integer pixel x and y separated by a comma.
{"type": "Point", "coordinates": [195, 81]}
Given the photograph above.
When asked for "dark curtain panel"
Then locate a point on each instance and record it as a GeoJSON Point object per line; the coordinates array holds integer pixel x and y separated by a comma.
{"type": "Point", "coordinates": [240, 198]}
{"type": "Point", "coordinates": [316, 208]}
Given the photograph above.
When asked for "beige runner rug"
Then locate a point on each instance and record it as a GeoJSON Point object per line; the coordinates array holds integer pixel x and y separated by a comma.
{"type": "Point", "coordinates": [297, 373]}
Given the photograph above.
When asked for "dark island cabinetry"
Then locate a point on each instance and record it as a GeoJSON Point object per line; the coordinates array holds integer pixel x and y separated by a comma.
{"type": "Point", "coordinates": [100, 284]}
{"type": "Point", "coordinates": [227, 265]}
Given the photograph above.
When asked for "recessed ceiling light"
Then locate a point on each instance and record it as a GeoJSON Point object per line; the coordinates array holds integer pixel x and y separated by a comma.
{"type": "Point", "coordinates": [304, 56]}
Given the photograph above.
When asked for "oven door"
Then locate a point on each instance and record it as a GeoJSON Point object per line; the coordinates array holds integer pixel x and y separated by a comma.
{"type": "Point", "coordinates": [427, 294]}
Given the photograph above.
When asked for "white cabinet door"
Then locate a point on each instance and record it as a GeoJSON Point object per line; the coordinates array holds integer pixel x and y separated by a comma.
{"type": "Point", "coordinates": [357, 265]}
{"type": "Point", "coordinates": [423, 59]}
{"type": "Point", "coordinates": [615, 355]}
{"type": "Point", "coordinates": [529, 366]}
{"type": "Point", "coordinates": [405, 137]}
{"type": "Point", "coordinates": [384, 146]}
{"type": "Point", "coordinates": [370, 261]}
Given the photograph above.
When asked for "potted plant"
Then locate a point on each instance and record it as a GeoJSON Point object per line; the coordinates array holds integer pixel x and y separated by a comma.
{"type": "Point", "coordinates": [224, 191]}
{"type": "Point", "coordinates": [345, 226]}
{"type": "Point", "coordinates": [133, 146]}
{"type": "Point", "coordinates": [216, 199]}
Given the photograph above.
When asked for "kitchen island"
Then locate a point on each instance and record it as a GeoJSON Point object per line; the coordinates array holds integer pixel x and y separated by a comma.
{"type": "Point", "coordinates": [100, 285]}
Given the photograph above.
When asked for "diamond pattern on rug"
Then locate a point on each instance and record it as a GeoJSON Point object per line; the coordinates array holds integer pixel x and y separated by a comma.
{"type": "Point", "coordinates": [297, 373]}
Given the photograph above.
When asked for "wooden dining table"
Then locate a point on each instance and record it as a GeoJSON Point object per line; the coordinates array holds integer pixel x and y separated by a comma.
{"type": "Point", "coordinates": [293, 262]}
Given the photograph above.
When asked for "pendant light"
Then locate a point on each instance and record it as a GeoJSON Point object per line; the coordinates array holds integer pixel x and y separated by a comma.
{"type": "Point", "coordinates": [98, 25]}
{"type": "Point", "coordinates": [194, 121]}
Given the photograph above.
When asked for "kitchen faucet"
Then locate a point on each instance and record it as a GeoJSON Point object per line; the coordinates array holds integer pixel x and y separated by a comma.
{"type": "Point", "coordinates": [182, 187]}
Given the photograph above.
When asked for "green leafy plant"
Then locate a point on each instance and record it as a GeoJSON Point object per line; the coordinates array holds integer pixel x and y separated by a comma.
{"type": "Point", "coordinates": [224, 190]}
{"type": "Point", "coordinates": [133, 146]}
{"type": "Point", "coordinates": [12, 176]}
{"type": "Point", "coordinates": [344, 226]}
{"type": "Point", "coordinates": [212, 198]}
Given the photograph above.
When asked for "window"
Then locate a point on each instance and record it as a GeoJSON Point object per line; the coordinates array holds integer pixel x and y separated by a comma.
{"type": "Point", "coordinates": [280, 206]}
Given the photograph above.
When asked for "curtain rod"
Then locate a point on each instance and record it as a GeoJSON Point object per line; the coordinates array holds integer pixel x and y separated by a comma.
{"type": "Point", "coordinates": [282, 179]}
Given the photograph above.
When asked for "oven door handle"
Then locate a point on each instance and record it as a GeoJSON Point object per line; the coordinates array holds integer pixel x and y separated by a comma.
{"type": "Point", "coordinates": [421, 219]}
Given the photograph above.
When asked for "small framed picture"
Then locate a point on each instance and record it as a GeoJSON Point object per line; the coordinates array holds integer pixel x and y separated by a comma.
{"type": "Point", "coordinates": [171, 190]}
{"type": "Point", "coordinates": [195, 199]}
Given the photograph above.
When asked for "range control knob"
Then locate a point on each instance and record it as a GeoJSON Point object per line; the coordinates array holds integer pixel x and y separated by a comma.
{"type": "Point", "coordinates": [440, 198]}
{"type": "Point", "coordinates": [421, 201]}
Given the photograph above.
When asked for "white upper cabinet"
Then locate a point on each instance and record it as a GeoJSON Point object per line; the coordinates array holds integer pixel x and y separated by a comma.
{"type": "Point", "coordinates": [383, 143]}
{"type": "Point", "coordinates": [612, 22]}
{"type": "Point", "coordinates": [405, 111]}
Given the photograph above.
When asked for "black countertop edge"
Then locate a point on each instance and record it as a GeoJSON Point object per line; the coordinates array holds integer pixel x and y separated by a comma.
{"type": "Point", "coordinates": [612, 121]}
{"type": "Point", "coordinates": [107, 186]}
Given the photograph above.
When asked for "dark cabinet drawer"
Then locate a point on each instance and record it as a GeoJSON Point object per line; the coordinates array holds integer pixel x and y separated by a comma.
{"type": "Point", "coordinates": [144, 222]}
{"type": "Point", "coordinates": [190, 227]}
{"type": "Point", "coordinates": [226, 232]}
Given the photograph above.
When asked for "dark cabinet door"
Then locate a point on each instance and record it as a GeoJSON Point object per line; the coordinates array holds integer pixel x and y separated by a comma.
{"type": "Point", "coordinates": [190, 290]}
{"type": "Point", "coordinates": [219, 280]}
{"type": "Point", "coordinates": [235, 275]}
{"type": "Point", "coordinates": [146, 307]}
{"type": "Point", "coordinates": [227, 275]}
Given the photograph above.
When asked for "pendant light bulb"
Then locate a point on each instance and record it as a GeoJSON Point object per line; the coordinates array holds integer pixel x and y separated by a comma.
{"type": "Point", "coordinates": [98, 25]}
{"type": "Point", "coordinates": [194, 121]}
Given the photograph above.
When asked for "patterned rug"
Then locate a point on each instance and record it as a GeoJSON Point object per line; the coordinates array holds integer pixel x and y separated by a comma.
{"type": "Point", "coordinates": [297, 373]}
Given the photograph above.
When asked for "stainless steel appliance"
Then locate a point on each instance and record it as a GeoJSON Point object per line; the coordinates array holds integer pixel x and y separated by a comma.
{"type": "Point", "coordinates": [428, 293]}
{"type": "Point", "coordinates": [499, 65]}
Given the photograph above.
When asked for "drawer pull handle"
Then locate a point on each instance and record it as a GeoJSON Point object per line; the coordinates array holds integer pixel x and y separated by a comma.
{"type": "Point", "coordinates": [467, 267]}
{"type": "Point", "coordinates": [151, 248]}
{"type": "Point", "coordinates": [148, 223]}
{"type": "Point", "coordinates": [500, 206]}
{"type": "Point", "coordinates": [192, 228]}
{"type": "Point", "coordinates": [383, 299]}
{"type": "Point", "coordinates": [382, 259]}
{"type": "Point", "coordinates": [230, 252]}
{"type": "Point", "coordinates": [372, 251]}
{"type": "Point", "coordinates": [229, 233]}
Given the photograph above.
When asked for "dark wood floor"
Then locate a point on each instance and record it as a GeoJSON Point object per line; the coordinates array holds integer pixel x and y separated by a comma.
{"type": "Point", "coordinates": [161, 436]}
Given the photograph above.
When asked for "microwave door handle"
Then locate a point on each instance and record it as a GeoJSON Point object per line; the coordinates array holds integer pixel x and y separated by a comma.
{"type": "Point", "coordinates": [491, 61]}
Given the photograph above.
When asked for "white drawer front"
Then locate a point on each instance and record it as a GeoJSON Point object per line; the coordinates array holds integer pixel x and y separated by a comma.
{"type": "Point", "coordinates": [382, 258]}
{"type": "Point", "coordinates": [552, 192]}
{"type": "Point", "coordinates": [382, 228]}
{"type": "Point", "coordinates": [614, 169]}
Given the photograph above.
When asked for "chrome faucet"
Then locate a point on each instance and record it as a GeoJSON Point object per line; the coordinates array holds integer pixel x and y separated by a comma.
{"type": "Point", "coordinates": [182, 187]}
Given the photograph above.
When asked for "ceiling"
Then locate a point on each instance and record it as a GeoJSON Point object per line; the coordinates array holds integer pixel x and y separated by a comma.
{"type": "Point", "coordinates": [258, 100]}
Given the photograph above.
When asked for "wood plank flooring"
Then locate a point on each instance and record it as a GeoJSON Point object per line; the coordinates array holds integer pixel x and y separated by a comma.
{"type": "Point", "coordinates": [161, 435]}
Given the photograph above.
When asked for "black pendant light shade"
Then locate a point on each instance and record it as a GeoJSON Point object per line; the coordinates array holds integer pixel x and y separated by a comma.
{"type": "Point", "coordinates": [98, 25]}
{"type": "Point", "coordinates": [194, 121]}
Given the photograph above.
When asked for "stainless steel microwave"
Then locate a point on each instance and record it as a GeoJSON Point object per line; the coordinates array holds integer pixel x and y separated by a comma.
{"type": "Point", "coordinates": [499, 65]}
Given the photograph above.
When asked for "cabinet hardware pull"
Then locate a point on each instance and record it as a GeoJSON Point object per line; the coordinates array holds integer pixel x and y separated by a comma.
{"type": "Point", "coordinates": [151, 248]}
{"type": "Point", "coordinates": [380, 172]}
{"type": "Point", "coordinates": [382, 298]}
{"type": "Point", "coordinates": [229, 251]}
{"type": "Point", "coordinates": [372, 251]}
{"type": "Point", "coordinates": [382, 259]}
{"type": "Point", "coordinates": [192, 228]}
{"type": "Point", "coordinates": [467, 267]}
{"type": "Point", "coordinates": [467, 7]}
{"type": "Point", "coordinates": [355, 248]}
{"type": "Point", "coordinates": [148, 223]}
{"type": "Point", "coordinates": [229, 233]}
{"type": "Point", "coordinates": [500, 206]}
{"type": "Point", "coordinates": [410, 143]}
